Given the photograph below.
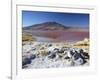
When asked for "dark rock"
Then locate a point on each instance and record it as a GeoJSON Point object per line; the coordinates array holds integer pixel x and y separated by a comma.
{"type": "Point", "coordinates": [72, 53]}
{"type": "Point", "coordinates": [33, 56]}
{"type": "Point", "coordinates": [64, 48]}
{"type": "Point", "coordinates": [77, 55]}
{"type": "Point", "coordinates": [56, 49]}
{"type": "Point", "coordinates": [60, 55]}
{"type": "Point", "coordinates": [26, 61]}
{"type": "Point", "coordinates": [67, 57]}
{"type": "Point", "coordinates": [52, 56]}
{"type": "Point", "coordinates": [61, 51]}
{"type": "Point", "coordinates": [28, 51]}
{"type": "Point", "coordinates": [84, 54]}
{"type": "Point", "coordinates": [81, 50]}
{"type": "Point", "coordinates": [49, 45]}
{"type": "Point", "coordinates": [49, 52]}
{"type": "Point", "coordinates": [84, 61]}
{"type": "Point", "coordinates": [33, 48]}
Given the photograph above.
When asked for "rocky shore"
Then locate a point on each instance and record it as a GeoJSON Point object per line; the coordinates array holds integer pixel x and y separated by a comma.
{"type": "Point", "coordinates": [54, 55]}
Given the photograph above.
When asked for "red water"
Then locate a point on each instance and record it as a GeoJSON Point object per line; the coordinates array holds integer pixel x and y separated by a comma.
{"type": "Point", "coordinates": [63, 35]}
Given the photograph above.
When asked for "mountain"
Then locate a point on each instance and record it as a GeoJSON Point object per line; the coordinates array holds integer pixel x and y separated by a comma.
{"type": "Point", "coordinates": [47, 26]}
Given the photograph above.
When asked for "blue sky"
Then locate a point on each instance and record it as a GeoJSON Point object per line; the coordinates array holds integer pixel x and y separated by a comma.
{"type": "Point", "coordinates": [67, 19]}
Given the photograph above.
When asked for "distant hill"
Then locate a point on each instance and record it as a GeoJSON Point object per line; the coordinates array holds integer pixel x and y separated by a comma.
{"type": "Point", "coordinates": [53, 31]}
{"type": "Point", "coordinates": [47, 26]}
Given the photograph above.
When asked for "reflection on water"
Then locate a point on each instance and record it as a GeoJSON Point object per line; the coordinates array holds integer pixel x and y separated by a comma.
{"type": "Point", "coordinates": [59, 36]}
{"type": "Point", "coordinates": [43, 39]}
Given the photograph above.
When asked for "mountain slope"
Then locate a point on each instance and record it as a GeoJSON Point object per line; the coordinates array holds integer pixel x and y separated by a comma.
{"type": "Point", "coordinates": [46, 26]}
